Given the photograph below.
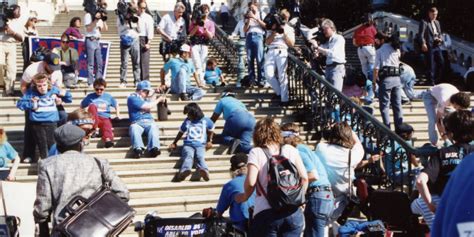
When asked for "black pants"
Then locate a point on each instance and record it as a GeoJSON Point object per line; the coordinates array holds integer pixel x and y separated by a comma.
{"type": "Point", "coordinates": [43, 135]}
{"type": "Point", "coordinates": [29, 145]}
{"type": "Point", "coordinates": [144, 59]}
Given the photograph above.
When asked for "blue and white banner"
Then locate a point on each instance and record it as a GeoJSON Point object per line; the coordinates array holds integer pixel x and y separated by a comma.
{"type": "Point", "coordinates": [79, 45]}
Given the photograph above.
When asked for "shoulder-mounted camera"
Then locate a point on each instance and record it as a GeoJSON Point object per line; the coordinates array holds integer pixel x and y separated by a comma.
{"type": "Point", "coordinates": [274, 22]}
{"type": "Point", "coordinates": [93, 7]}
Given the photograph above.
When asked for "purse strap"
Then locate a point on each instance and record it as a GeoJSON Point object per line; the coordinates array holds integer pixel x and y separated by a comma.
{"type": "Point", "coordinates": [105, 184]}
{"type": "Point", "coordinates": [349, 171]}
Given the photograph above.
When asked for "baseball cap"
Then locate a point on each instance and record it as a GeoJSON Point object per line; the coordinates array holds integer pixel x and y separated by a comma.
{"type": "Point", "coordinates": [144, 85]}
{"type": "Point", "coordinates": [185, 48]}
{"type": "Point", "coordinates": [53, 60]}
{"type": "Point", "coordinates": [68, 135]}
{"type": "Point", "coordinates": [238, 161]}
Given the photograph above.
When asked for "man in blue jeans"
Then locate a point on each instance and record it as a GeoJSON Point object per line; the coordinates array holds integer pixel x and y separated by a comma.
{"type": "Point", "coordinates": [139, 105]}
{"type": "Point", "coordinates": [181, 70]}
{"type": "Point", "coordinates": [255, 29]}
{"type": "Point", "coordinates": [239, 123]}
{"type": "Point", "coordinates": [94, 26]}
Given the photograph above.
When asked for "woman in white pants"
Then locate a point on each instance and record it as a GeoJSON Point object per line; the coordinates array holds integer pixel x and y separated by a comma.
{"type": "Point", "coordinates": [201, 32]}
{"type": "Point", "coordinates": [276, 58]}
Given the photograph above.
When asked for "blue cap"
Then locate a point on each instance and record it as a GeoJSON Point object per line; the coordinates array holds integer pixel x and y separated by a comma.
{"type": "Point", "coordinates": [144, 85]}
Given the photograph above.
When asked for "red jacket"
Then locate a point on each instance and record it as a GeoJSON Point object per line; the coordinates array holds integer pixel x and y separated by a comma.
{"type": "Point", "coordinates": [365, 35]}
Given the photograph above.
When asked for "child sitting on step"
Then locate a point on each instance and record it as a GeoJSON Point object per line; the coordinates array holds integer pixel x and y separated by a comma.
{"type": "Point", "coordinates": [213, 74]}
{"type": "Point", "coordinates": [199, 131]}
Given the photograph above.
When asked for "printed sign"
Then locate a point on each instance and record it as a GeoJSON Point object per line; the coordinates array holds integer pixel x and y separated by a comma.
{"type": "Point", "coordinates": [79, 45]}
{"type": "Point", "coordinates": [188, 230]}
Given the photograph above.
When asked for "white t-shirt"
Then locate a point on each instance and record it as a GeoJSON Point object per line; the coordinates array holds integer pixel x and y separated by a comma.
{"type": "Point", "coordinates": [279, 40]}
{"type": "Point", "coordinates": [95, 32]}
{"type": "Point", "coordinates": [254, 27]}
{"type": "Point", "coordinates": [258, 158]}
{"type": "Point", "coordinates": [442, 93]}
{"type": "Point", "coordinates": [38, 67]}
{"type": "Point", "coordinates": [336, 158]}
{"type": "Point", "coordinates": [171, 26]}
{"type": "Point", "coordinates": [147, 26]}
{"type": "Point", "coordinates": [17, 25]}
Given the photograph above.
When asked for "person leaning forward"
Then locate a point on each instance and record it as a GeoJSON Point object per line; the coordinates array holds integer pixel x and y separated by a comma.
{"type": "Point", "coordinates": [63, 177]}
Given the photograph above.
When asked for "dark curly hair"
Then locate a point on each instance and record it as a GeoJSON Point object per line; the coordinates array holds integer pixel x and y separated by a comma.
{"type": "Point", "coordinates": [193, 111]}
{"type": "Point", "coordinates": [462, 99]}
{"type": "Point", "coordinates": [461, 125]}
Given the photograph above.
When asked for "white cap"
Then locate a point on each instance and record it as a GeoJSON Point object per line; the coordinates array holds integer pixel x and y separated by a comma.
{"type": "Point", "coordinates": [185, 48]}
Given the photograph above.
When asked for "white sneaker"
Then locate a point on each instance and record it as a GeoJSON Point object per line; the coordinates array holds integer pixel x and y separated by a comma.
{"type": "Point", "coordinates": [27, 160]}
{"type": "Point", "coordinates": [123, 85]}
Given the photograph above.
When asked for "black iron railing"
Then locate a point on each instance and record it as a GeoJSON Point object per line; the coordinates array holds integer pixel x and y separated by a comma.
{"type": "Point", "coordinates": [227, 48]}
{"type": "Point", "coordinates": [324, 105]}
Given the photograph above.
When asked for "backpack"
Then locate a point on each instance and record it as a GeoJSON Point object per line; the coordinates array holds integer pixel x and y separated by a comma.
{"type": "Point", "coordinates": [284, 189]}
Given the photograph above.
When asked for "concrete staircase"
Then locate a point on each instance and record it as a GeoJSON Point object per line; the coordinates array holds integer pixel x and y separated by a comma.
{"type": "Point", "coordinates": [149, 179]}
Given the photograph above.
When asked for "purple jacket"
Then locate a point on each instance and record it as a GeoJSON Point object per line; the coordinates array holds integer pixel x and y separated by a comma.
{"type": "Point", "coordinates": [73, 31]}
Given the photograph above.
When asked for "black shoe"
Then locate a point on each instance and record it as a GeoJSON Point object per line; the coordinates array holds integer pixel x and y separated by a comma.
{"type": "Point", "coordinates": [184, 97]}
{"type": "Point", "coordinates": [204, 174]}
{"type": "Point", "coordinates": [109, 144]}
{"type": "Point", "coordinates": [233, 148]}
{"type": "Point", "coordinates": [155, 152]}
{"type": "Point", "coordinates": [406, 102]}
{"type": "Point", "coordinates": [138, 152]}
{"type": "Point", "coordinates": [182, 175]}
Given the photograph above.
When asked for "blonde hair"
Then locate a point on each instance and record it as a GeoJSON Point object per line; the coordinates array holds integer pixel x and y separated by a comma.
{"type": "Point", "coordinates": [293, 139]}
{"type": "Point", "coordinates": [40, 77]}
{"type": "Point", "coordinates": [267, 131]}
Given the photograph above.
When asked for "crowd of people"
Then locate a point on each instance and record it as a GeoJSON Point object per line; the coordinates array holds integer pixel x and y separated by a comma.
{"type": "Point", "coordinates": [323, 177]}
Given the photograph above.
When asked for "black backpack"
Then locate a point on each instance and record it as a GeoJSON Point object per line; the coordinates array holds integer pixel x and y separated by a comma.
{"type": "Point", "coordinates": [284, 189]}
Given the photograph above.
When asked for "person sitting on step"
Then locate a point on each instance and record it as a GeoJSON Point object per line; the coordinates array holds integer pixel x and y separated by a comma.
{"type": "Point", "coordinates": [181, 70]}
{"type": "Point", "coordinates": [213, 75]}
{"type": "Point", "coordinates": [139, 106]}
{"type": "Point", "coordinates": [199, 131]}
{"type": "Point", "coordinates": [99, 104]}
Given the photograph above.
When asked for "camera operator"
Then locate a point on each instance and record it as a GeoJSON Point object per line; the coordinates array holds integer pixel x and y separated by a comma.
{"type": "Point", "coordinates": [146, 36]}
{"type": "Point", "coordinates": [280, 37]}
{"type": "Point", "coordinates": [387, 75]}
{"type": "Point", "coordinates": [11, 33]}
{"type": "Point", "coordinates": [335, 53]}
{"type": "Point", "coordinates": [255, 30]}
{"type": "Point", "coordinates": [201, 32]}
{"type": "Point", "coordinates": [173, 31]}
{"type": "Point", "coordinates": [95, 22]}
{"type": "Point", "coordinates": [431, 40]}
{"type": "Point", "coordinates": [128, 28]}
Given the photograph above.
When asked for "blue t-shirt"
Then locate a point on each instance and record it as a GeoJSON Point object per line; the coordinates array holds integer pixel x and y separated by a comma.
{"type": "Point", "coordinates": [135, 112]}
{"type": "Point", "coordinates": [7, 152]}
{"type": "Point", "coordinates": [455, 212]}
{"type": "Point", "coordinates": [312, 162]}
{"type": "Point", "coordinates": [238, 212]}
{"type": "Point", "coordinates": [174, 64]}
{"type": "Point", "coordinates": [196, 131]}
{"type": "Point", "coordinates": [53, 150]}
{"type": "Point", "coordinates": [103, 103]}
{"type": "Point", "coordinates": [227, 105]}
{"type": "Point", "coordinates": [211, 76]}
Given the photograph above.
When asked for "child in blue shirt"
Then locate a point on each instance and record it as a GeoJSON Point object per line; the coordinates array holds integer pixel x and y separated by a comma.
{"type": "Point", "coordinates": [8, 153]}
{"type": "Point", "coordinates": [213, 75]}
{"type": "Point", "coordinates": [41, 101]}
{"type": "Point", "coordinates": [199, 131]}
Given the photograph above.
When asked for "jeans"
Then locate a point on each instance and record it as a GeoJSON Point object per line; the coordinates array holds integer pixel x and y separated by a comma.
{"type": "Point", "coordinates": [180, 85]}
{"type": "Point", "coordinates": [134, 51]}
{"type": "Point", "coordinates": [318, 210]}
{"type": "Point", "coordinates": [367, 59]}
{"type": "Point", "coordinates": [189, 154]}
{"type": "Point", "coordinates": [335, 75]}
{"type": "Point", "coordinates": [254, 45]}
{"type": "Point", "coordinates": [94, 57]}
{"type": "Point", "coordinates": [408, 80]}
{"type": "Point", "coordinates": [269, 223]}
{"type": "Point", "coordinates": [240, 124]}
{"type": "Point", "coordinates": [43, 136]}
{"type": "Point", "coordinates": [144, 59]}
{"type": "Point", "coordinates": [276, 61]}
{"type": "Point", "coordinates": [430, 103]}
{"type": "Point", "coordinates": [150, 128]}
{"type": "Point", "coordinates": [390, 92]}
{"type": "Point", "coordinates": [199, 55]}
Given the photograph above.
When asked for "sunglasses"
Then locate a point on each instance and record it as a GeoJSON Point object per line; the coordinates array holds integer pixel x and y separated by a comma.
{"type": "Point", "coordinates": [99, 89]}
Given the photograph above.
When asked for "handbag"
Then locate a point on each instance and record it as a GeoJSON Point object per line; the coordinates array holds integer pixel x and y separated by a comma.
{"type": "Point", "coordinates": [102, 214]}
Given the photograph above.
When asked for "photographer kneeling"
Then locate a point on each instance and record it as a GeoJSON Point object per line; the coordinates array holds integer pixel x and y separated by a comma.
{"type": "Point", "coordinates": [281, 37]}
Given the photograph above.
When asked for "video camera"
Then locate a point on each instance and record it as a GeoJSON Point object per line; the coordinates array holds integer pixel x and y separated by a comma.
{"type": "Point", "coordinates": [126, 13]}
{"type": "Point", "coordinates": [320, 37]}
{"type": "Point", "coordinates": [92, 7]}
{"type": "Point", "coordinates": [198, 15]}
{"type": "Point", "coordinates": [274, 22]}
{"type": "Point", "coordinates": [6, 13]}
